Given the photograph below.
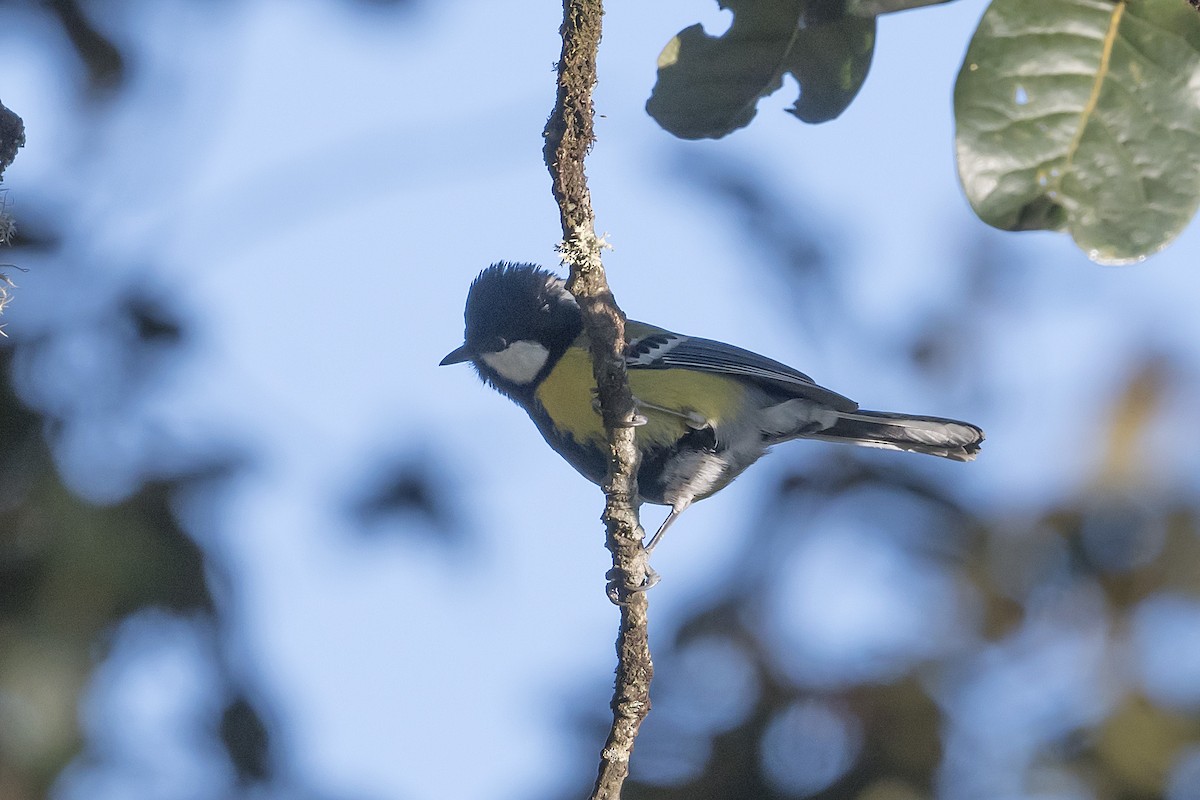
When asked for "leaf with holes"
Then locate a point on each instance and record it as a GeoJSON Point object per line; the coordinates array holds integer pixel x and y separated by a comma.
{"type": "Point", "coordinates": [708, 86]}
{"type": "Point", "coordinates": [1084, 115]}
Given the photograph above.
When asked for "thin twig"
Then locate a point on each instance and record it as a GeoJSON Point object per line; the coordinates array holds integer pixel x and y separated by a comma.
{"type": "Point", "coordinates": [569, 136]}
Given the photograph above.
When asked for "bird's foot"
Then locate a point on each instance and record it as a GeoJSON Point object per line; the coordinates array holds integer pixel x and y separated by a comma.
{"type": "Point", "coordinates": [636, 421]}
{"type": "Point", "coordinates": [622, 584]}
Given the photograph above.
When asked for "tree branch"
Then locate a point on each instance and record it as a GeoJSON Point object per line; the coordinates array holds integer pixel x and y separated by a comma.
{"type": "Point", "coordinates": [569, 137]}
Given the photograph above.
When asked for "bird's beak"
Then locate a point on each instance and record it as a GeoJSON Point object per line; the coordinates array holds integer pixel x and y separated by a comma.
{"type": "Point", "coordinates": [456, 356]}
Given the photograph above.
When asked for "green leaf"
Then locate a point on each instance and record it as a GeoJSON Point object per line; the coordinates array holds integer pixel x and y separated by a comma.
{"type": "Point", "coordinates": [709, 86]}
{"type": "Point", "coordinates": [1084, 115]}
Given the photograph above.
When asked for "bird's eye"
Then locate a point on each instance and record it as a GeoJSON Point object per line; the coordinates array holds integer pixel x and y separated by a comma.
{"type": "Point", "coordinates": [496, 344]}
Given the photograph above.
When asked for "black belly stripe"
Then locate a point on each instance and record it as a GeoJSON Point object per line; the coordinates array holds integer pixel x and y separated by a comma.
{"type": "Point", "coordinates": [654, 462]}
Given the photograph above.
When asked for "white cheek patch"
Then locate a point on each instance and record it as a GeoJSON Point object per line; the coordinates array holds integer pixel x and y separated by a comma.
{"type": "Point", "coordinates": [518, 363]}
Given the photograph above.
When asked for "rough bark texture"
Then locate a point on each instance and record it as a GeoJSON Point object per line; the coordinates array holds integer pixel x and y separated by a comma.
{"type": "Point", "coordinates": [569, 137]}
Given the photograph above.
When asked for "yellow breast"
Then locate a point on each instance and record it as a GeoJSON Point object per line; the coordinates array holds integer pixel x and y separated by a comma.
{"type": "Point", "coordinates": [568, 396]}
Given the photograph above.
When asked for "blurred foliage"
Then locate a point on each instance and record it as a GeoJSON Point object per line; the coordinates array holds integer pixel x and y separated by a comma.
{"type": "Point", "coordinates": [101, 59]}
{"type": "Point", "coordinates": [87, 26]}
{"type": "Point", "coordinates": [901, 725]}
{"type": "Point", "coordinates": [410, 494]}
{"type": "Point", "coordinates": [104, 62]}
{"type": "Point", "coordinates": [89, 590]}
{"type": "Point", "coordinates": [791, 237]}
{"type": "Point", "coordinates": [70, 573]}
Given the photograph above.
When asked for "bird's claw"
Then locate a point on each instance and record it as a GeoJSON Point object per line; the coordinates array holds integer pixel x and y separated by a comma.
{"type": "Point", "coordinates": [622, 584]}
{"type": "Point", "coordinates": [635, 421]}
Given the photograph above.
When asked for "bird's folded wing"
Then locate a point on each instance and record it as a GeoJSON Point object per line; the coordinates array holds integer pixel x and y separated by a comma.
{"type": "Point", "coordinates": [664, 350]}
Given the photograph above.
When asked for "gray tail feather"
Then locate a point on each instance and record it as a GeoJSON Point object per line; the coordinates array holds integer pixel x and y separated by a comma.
{"type": "Point", "coordinates": [935, 436]}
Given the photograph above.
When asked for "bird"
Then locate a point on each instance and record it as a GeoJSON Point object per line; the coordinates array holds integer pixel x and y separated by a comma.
{"type": "Point", "coordinates": [706, 410]}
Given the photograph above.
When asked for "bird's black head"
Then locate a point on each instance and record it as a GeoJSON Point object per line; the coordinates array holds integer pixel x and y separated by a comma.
{"type": "Point", "coordinates": [519, 320]}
